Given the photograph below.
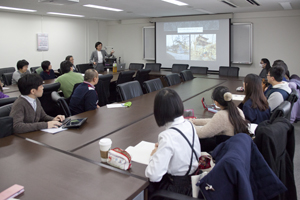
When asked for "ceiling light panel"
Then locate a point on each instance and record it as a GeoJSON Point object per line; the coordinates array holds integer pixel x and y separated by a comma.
{"type": "Point", "coordinates": [178, 3]}
{"type": "Point", "coordinates": [16, 9]}
{"type": "Point", "coordinates": [103, 8]}
{"type": "Point", "coordinates": [64, 14]}
{"type": "Point", "coordinates": [286, 5]}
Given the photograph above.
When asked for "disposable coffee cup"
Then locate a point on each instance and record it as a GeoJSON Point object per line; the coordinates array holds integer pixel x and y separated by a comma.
{"type": "Point", "coordinates": [105, 145]}
{"type": "Point", "coordinates": [107, 70]}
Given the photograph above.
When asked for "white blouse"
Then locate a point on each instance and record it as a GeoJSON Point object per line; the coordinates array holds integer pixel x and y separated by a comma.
{"type": "Point", "coordinates": [173, 154]}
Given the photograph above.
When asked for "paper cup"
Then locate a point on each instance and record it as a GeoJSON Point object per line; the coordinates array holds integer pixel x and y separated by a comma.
{"type": "Point", "coordinates": [107, 70]}
{"type": "Point", "coordinates": [105, 145]}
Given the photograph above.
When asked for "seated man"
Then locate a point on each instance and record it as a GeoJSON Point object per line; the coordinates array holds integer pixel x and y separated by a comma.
{"type": "Point", "coordinates": [27, 112]}
{"type": "Point", "coordinates": [71, 59]}
{"type": "Point", "coordinates": [85, 97]}
{"type": "Point", "coordinates": [47, 72]}
{"type": "Point", "coordinates": [279, 90]}
{"type": "Point", "coordinates": [22, 66]}
{"type": "Point", "coordinates": [68, 79]}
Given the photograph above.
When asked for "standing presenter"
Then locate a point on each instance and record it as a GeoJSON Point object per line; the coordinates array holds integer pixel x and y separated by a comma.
{"type": "Point", "coordinates": [98, 57]}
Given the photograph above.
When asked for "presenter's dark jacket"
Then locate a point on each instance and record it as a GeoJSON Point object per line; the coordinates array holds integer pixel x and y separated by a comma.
{"type": "Point", "coordinates": [84, 98]}
{"type": "Point", "coordinates": [47, 76]}
{"type": "Point", "coordinates": [94, 56]}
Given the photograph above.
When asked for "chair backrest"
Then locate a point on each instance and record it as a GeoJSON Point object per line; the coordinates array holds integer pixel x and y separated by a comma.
{"type": "Point", "coordinates": [125, 76]}
{"type": "Point", "coordinates": [142, 75]}
{"type": "Point", "coordinates": [6, 70]}
{"type": "Point", "coordinates": [5, 110]}
{"type": "Point", "coordinates": [199, 70]}
{"type": "Point", "coordinates": [9, 100]}
{"type": "Point", "coordinates": [83, 67]}
{"type": "Point", "coordinates": [60, 101]}
{"type": "Point", "coordinates": [155, 67]}
{"type": "Point", "coordinates": [173, 79]}
{"type": "Point", "coordinates": [49, 106]}
{"type": "Point", "coordinates": [153, 85]}
{"type": "Point", "coordinates": [293, 98]}
{"type": "Point", "coordinates": [136, 66]}
{"type": "Point", "coordinates": [282, 110]}
{"type": "Point", "coordinates": [129, 90]}
{"type": "Point", "coordinates": [177, 68]}
{"type": "Point", "coordinates": [103, 89]}
{"type": "Point", "coordinates": [7, 78]}
{"type": "Point", "coordinates": [186, 75]}
{"type": "Point", "coordinates": [32, 69]}
{"type": "Point", "coordinates": [106, 82]}
{"type": "Point", "coordinates": [229, 71]}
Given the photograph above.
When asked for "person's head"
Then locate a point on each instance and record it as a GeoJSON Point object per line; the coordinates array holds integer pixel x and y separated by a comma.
{"type": "Point", "coordinates": [32, 85]}
{"type": "Point", "coordinates": [70, 58]}
{"type": "Point", "coordinates": [98, 46]}
{"type": "Point", "coordinates": [265, 63]}
{"type": "Point", "coordinates": [167, 106]}
{"type": "Point", "coordinates": [275, 74]}
{"type": "Point", "coordinates": [254, 91]}
{"type": "Point", "coordinates": [22, 65]}
{"type": "Point", "coordinates": [46, 65]}
{"type": "Point", "coordinates": [222, 96]}
{"type": "Point", "coordinates": [91, 76]}
{"type": "Point", "coordinates": [283, 65]}
{"type": "Point", "coordinates": [66, 66]}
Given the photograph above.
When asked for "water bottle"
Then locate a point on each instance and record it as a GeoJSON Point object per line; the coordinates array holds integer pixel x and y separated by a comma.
{"type": "Point", "coordinates": [115, 67]}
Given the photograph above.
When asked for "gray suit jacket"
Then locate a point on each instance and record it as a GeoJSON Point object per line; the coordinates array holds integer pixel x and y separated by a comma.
{"type": "Point", "coordinates": [94, 56]}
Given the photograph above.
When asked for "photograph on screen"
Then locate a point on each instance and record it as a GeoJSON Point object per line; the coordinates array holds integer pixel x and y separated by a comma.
{"type": "Point", "coordinates": [178, 47]}
{"type": "Point", "coordinates": [203, 47]}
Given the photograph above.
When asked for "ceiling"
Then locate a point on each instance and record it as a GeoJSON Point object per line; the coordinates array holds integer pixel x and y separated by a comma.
{"type": "Point", "coordinates": [136, 9]}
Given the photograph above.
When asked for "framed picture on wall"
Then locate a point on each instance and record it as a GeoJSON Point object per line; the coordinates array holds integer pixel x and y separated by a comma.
{"type": "Point", "coordinates": [42, 42]}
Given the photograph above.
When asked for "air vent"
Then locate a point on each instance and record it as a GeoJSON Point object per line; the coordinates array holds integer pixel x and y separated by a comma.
{"type": "Point", "coordinates": [229, 3]}
{"type": "Point", "coordinates": [253, 2]}
{"type": "Point", "coordinates": [63, 2]}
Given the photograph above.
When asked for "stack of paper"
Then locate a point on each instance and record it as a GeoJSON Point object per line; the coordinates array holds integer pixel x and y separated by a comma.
{"type": "Point", "coordinates": [54, 130]}
{"type": "Point", "coordinates": [238, 97]}
{"type": "Point", "coordinates": [252, 128]}
{"type": "Point", "coordinates": [141, 152]}
{"type": "Point", "coordinates": [116, 105]}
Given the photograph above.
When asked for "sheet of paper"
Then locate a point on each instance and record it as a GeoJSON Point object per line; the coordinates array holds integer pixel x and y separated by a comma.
{"type": "Point", "coordinates": [141, 152]}
{"type": "Point", "coordinates": [252, 128]}
{"type": "Point", "coordinates": [5, 88]}
{"type": "Point", "coordinates": [116, 105]}
{"type": "Point", "coordinates": [54, 130]}
{"type": "Point", "coordinates": [238, 97]}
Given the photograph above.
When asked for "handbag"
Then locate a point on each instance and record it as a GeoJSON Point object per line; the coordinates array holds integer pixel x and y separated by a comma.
{"type": "Point", "coordinates": [119, 158]}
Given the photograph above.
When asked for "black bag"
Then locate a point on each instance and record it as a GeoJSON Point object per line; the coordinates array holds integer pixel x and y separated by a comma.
{"type": "Point", "coordinates": [6, 124]}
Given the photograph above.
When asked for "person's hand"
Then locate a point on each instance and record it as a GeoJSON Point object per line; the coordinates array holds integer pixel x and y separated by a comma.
{"type": "Point", "coordinates": [59, 118]}
{"type": "Point", "coordinates": [112, 51]}
{"type": "Point", "coordinates": [98, 106]}
{"type": "Point", "coordinates": [94, 63]}
{"type": "Point", "coordinates": [191, 120]}
{"type": "Point", "coordinates": [154, 150]}
{"type": "Point", "coordinates": [53, 124]}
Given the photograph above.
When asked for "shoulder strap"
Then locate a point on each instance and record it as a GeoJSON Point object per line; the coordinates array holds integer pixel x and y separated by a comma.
{"type": "Point", "coordinates": [191, 145]}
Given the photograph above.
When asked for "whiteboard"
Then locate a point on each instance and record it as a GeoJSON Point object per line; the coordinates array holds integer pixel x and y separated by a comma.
{"type": "Point", "coordinates": [149, 42]}
{"type": "Point", "coordinates": [241, 43]}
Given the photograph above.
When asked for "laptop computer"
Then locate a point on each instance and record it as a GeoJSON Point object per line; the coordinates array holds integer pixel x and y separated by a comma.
{"type": "Point", "coordinates": [121, 67]}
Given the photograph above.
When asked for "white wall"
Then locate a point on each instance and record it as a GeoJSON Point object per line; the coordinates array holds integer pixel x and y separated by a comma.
{"type": "Point", "coordinates": [67, 36]}
{"type": "Point", "coordinates": [276, 35]}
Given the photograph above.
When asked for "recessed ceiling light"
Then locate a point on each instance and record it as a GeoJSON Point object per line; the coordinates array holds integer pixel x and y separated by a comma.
{"type": "Point", "coordinates": [286, 5]}
{"type": "Point", "coordinates": [17, 9]}
{"type": "Point", "coordinates": [64, 14]}
{"type": "Point", "coordinates": [103, 8]}
{"type": "Point", "coordinates": [178, 3]}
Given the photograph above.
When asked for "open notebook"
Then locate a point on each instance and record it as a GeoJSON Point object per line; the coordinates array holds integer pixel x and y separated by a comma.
{"type": "Point", "coordinates": [140, 153]}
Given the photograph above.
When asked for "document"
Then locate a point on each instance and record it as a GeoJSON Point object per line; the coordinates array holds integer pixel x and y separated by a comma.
{"type": "Point", "coordinates": [141, 152]}
{"type": "Point", "coordinates": [54, 130]}
{"type": "Point", "coordinates": [5, 88]}
{"type": "Point", "coordinates": [116, 105]}
{"type": "Point", "coordinates": [238, 97]}
{"type": "Point", "coordinates": [252, 128]}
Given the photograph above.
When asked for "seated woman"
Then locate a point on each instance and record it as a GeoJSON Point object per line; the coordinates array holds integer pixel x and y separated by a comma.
{"type": "Point", "coordinates": [228, 121]}
{"type": "Point", "coordinates": [255, 105]}
{"type": "Point", "coordinates": [47, 72]}
{"type": "Point", "coordinates": [177, 152]}
{"type": "Point", "coordinates": [1, 92]}
{"type": "Point", "coordinates": [265, 65]}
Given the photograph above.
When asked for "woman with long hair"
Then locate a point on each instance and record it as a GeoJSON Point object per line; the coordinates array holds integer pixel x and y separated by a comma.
{"type": "Point", "coordinates": [255, 105]}
{"type": "Point", "coordinates": [265, 65]}
{"type": "Point", "coordinates": [228, 121]}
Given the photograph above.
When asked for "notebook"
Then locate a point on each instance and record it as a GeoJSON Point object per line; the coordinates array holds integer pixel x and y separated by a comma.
{"type": "Point", "coordinates": [121, 67]}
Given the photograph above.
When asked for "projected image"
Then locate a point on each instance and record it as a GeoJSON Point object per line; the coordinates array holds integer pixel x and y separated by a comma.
{"type": "Point", "coordinates": [203, 47]}
{"type": "Point", "coordinates": [178, 47]}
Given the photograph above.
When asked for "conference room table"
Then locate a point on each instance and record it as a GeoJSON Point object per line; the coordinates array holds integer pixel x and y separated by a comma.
{"type": "Point", "coordinates": [49, 174]}
{"type": "Point", "coordinates": [105, 121]}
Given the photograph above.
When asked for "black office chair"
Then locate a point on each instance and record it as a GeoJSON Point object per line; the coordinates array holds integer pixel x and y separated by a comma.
{"type": "Point", "coordinates": [177, 68]}
{"type": "Point", "coordinates": [59, 71]}
{"type": "Point", "coordinates": [125, 76]}
{"type": "Point", "coordinates": [142, 75]}
{"type": "Point", "coordinates": [7, 78]}
{"type": "Point", "coordinates": [6, 122]}
{"type": "Point", "coordinates": [155, 67]}
{"type": "Point", "coordinates": [6, 70]}
{"type": "Point", "coordinates": [9, 100]}
{"type": "Point", "coordinates": [186, 75]}
{"type": "Point", "coordinates": [83, 67]}
{"type": "Point", "coordinates": [129, 90]}
{"type": "Point", "coordinates": [136, 66]}
{"type": "Point", "coordinates": [293, 98]}
{"type": "Point", "coordinates": [102, 88]}
{"type": "Point", "coordinates": [32, 69]}
{"type": "Point", "coordinates": [199, 70]}
{"type": "Point", "coordinates": [60, 101]}
{"type": "Point", "coordinates": [49, 106]}
{"type": "Point", "coordinates": [153, 85]}
{"type": "Point", "coordinates": [282, 110]}
{"type": "Point", "coordinates": [229, 71]}
{"type": "Point", "coordinates": [173, 79]}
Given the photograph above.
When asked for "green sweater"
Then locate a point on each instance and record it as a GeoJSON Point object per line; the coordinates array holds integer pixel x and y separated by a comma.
{"type": "Point", "coordinates": [67, 82]}
{"type": "Point", "coordinates": [39, 70]}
